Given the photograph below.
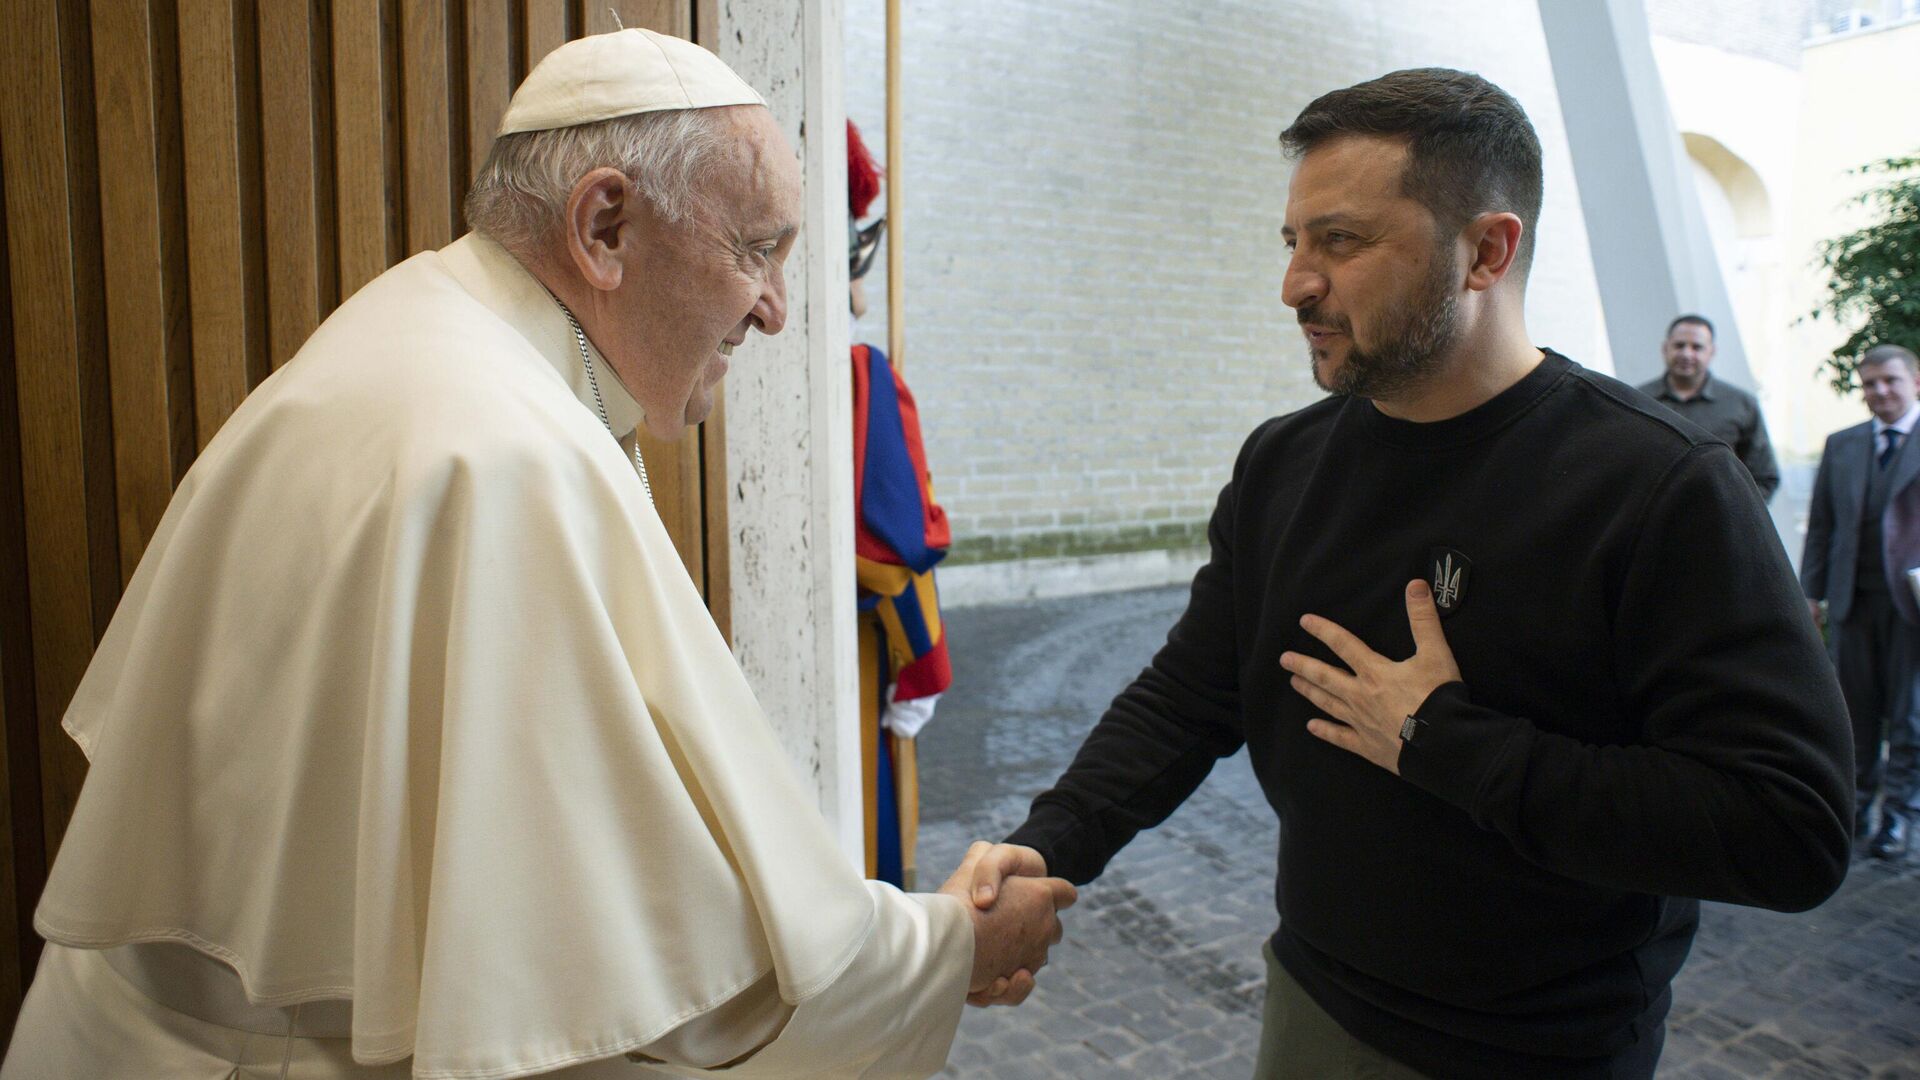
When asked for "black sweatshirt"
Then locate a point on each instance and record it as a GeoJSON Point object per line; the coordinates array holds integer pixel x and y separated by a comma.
{"type": "Point", "coordinates": [1646, 714]}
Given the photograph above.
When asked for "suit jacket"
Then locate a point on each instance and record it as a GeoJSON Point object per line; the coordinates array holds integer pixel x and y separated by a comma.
{"type": "Point", "coordinates": [1831, 556]}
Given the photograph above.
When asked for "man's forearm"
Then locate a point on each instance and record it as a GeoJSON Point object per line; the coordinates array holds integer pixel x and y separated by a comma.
{"type": "Point", "coordinates": [1644, 818]}
{"type": "Point", "coordinates": [1136, 767]}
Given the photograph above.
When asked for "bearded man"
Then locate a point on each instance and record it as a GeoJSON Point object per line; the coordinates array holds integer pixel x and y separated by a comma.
{"type": "Point", "coordinates": [414, 750]}
{"type": "Point", "coordinates": [1503, 784]}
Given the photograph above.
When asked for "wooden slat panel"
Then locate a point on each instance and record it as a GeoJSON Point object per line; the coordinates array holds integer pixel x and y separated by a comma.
{"type": "Point", "coordinates": [210, 125]}
{"type": "Point", "coordinates": [429, 206]}
{"type": "Point", "coordinates": [52, 405]}
{"type": "Point", "coordinates": [137, 327]}
{"type": "Point", "coordinates": [489, 75]}
{"type": "Point", "coordinates": [290, 161]}
{"type": "Point", "coordinates": [23, 860]}
{"type": "Point", "coordinates": [673, 468]}
{"type": "Point", "coordinates": [716, 543]}
{"type": "Point", "coordinates": [170, 186]}
{"type": "Point", "coordinates": [716, 540]}
{"type": "Point", "coordinates": [360, 101]}
{"type": "Point", "coordinates": [664, 16]}
{"type": "Point", "coordinates": [546, 29]}
{"type": "Point", "coordinates": [84, 239]}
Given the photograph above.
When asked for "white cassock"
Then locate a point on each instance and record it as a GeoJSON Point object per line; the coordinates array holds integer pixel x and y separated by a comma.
{"type": "Point", "coordinates": [415, 753]}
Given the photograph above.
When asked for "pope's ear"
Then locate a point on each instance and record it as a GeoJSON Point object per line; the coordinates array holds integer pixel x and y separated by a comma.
{"type": "Point", "coordinates": [597, 233]}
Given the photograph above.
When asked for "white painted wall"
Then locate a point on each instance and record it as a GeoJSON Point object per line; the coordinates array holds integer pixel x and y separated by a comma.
{"type": "Point", "coordinates": [1862, 103]}
{"type": "Point", "coordinates": [1749, 107]}
{"type": "Point", "coordinates": [789, 418]}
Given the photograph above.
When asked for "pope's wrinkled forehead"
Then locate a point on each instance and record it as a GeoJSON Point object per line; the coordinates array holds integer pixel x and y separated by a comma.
{"type": "Point", "coordinates": [763, 185]}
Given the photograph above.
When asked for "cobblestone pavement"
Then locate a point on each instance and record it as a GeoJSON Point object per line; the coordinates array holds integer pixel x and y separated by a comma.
{"type": "Point", "coordinates": [1160, 975]}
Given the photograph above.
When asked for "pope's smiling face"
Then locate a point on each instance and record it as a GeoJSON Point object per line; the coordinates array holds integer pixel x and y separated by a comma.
{"type": "Point", "coordinates": [691, 290]}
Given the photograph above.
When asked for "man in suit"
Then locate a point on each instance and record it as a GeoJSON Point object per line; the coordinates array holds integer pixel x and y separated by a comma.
{"type": "Point", "coordinates": [1727, 412]}
{"type": "Point", "coordinates": [1863, 539]}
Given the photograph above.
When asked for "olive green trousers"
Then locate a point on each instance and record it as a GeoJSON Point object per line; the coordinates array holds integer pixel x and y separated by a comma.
{"type": "Point", "coordinates": [1299, 1041]}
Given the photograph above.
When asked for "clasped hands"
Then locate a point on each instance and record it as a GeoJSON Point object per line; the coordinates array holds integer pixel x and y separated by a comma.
{"type": "Point", "coordinates": [1014, 907]}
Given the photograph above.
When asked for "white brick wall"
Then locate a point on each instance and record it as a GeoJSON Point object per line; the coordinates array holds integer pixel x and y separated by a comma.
{"type": "Point", "coordinates": [1094, 197]}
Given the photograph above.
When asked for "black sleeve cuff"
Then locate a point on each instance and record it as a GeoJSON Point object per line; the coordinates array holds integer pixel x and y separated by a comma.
{"type": "Point", "coordinates": [1049, 830]}
{"type": "Point", "coordinates": [1459, 749]}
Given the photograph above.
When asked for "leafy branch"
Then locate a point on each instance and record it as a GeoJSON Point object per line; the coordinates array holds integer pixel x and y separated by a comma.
{"type": "Point", "coordinates": [1874, 281]}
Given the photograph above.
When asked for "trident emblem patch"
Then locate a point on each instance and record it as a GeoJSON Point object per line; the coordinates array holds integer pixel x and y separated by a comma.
{"type": "Point", "coordinates": [1450, 571]}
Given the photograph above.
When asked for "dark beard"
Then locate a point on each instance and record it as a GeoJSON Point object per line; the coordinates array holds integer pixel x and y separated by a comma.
{"type": "Point", "coordinates": [1409, 352]}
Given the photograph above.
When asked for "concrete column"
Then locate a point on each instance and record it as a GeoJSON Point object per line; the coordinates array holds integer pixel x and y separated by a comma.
{"type": "Point", "coordinates": [789, 421]}
{"type": "Point", "coordinates": [1652, 254]}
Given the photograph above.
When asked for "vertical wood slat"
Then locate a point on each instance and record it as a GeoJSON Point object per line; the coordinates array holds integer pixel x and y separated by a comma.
{"type": "Point", "coordinates": [170, 174]}
{"type": "Point", "coordinates": [290, 158]}
{"type": "Point", "coordinates": [51, 401]}
{"type": "Point", "coordinates": [662, 16]}
{"type": "Point", "coordinates": [673, 469]}
{"type": "Point", "coordinates": [717, 544]}
{"type": "Point", "coordinates": [545, 29]}
{"type": "Point", "coordinates": [210, 123]}
{"type": "Point", "coordinates": [137, 327]}
{"type": "Point", "coordinates": [361, 98]}
{"type": "Point", "coordinates": [88, 244]}
{"type": "Point", "coordinates": [22, 851]}
{"type": "Point", "coordinates": [489, 75]}
{"type": "Point", "coordinates": [429, 209]}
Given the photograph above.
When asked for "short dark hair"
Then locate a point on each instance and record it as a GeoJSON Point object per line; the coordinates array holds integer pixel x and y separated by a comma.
{"type": "Point", "coordinates": [1471, 148]}
{"type": "Point", "coordinates": [1887, 354]}
{"type": "Point", "coordinates": [1696, 320]}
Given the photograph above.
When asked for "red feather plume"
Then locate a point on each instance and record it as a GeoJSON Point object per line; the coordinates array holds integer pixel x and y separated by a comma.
{"type": "Point", "coordinates": [863, 176]}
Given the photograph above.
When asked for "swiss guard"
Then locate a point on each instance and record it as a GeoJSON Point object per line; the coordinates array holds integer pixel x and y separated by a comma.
{"type": "Point", "coordinates": [900, 534]}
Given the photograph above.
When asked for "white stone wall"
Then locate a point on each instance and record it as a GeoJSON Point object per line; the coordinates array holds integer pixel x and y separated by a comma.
{"type": "Point", "coordinates": [1094, 197]}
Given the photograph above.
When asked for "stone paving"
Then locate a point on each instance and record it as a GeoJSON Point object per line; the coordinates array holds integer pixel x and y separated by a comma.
{"type": "Point", "coordinates": [1160, 975]}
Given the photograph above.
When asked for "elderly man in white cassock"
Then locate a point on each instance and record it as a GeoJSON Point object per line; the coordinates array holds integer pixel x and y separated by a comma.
{"type": "Point", "coordinates": [414, 751]}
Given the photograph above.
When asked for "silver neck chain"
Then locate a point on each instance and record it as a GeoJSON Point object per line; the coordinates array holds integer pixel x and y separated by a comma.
{"type": "Point", "coordinates": [600, 403]}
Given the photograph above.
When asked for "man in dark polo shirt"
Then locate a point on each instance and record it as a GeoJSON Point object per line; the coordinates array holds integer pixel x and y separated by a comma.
{"type": "Point", "coordinates": [1727, 412]}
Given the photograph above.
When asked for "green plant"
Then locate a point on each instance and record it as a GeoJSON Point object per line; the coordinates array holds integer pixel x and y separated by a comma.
{"type": "Point", "coordinates": [1875, 282]}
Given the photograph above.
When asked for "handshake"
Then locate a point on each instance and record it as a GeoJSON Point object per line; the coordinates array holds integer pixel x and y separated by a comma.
{"type": "Point", "coordinates": [1014, 907]}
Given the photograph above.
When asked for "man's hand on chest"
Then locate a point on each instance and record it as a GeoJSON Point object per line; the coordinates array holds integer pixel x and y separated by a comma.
{"type": "Point", "coordinates": [1373, 701]}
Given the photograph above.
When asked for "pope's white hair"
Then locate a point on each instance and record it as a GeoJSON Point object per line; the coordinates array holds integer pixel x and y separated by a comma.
{"type": "Point", "coordinates": [520, 194]}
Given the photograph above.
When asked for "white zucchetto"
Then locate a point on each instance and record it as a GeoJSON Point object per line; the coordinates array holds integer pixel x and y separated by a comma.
{"type": "Point", "coordinates": [622, 74]}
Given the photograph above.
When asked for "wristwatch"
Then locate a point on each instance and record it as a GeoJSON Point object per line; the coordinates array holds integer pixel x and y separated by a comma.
{"type": "Point", "coordinates": [1412, 727]}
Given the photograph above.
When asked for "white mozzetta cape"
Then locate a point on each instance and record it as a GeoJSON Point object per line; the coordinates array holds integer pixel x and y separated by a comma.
{"type": "Point", "coordinates": [411, 702]}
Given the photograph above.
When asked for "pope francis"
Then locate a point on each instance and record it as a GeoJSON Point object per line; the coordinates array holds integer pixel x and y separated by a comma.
{"type": "Point", "coordinates": [414, 751]}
